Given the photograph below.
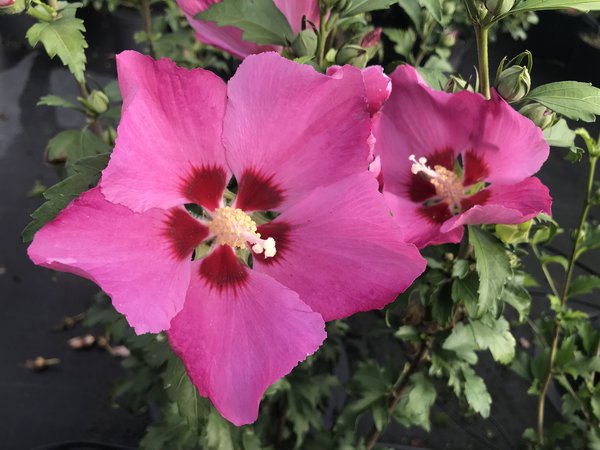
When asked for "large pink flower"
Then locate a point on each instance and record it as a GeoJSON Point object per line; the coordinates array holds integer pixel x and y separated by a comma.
{"type": "Point", "coordinates": [230, 38]}
{"type": "Point", "coordinates": [454, 159]}
{"type": "Point", "coordinates": [296, 142]}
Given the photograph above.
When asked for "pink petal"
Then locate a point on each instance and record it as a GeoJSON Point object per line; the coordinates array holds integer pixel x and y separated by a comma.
{"type": "Point", "coordinates": [142, 261]}
{"type": "Point", "coordinates": [340, 249]}
{"type": "Point", "coordinates": [511, 146]}
{"type": "Point", "coordinates": [293, 10]}
{"type": "Point", "coordinates": [236, 342]}
{"type": "Point", "coordinates": [378, 86]}
{"type": "Point", "coordinates": [289, 129]}
{"type": "Point", "coordinates": [421, 121]}
{"type": "Point", "coordinates": [421, 226]}
{"type": "Point", "coordinates": [505, 204]}
{"type": "Point", "coordinates": [168, 149]}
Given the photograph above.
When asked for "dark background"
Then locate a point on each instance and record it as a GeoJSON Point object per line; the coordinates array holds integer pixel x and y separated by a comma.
{"type": "Point", "coordinates": [72, 401]}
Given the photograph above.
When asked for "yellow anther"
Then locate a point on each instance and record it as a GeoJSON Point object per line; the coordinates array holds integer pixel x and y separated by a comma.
{"type": "Point", "coordinates": [233, 227]}
{"type": "Point", "coordinates": [448, 185]}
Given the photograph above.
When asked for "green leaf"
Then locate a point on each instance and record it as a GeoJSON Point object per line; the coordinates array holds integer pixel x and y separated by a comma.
{"type": "Point", "coordinates": [493, 267]}
{"type": "Point", "coordinates": [572, 99]}
{"type": "Point", "coordinates": [63, 37]}
{"type": "Point", "coordinates": [86, 174]}
{"type": "Point", "coordinates": [55, 100]}
{"type": "Point", "coordinates": [441, 303]}
{"type": "Point", "coordinates": [413, 10]}
{"type": "Point", "coordinates": [560, 135]}
{"type": "Point", "coordinates": [433, 77]}
{"type": "Point", "coordinates": [540, 5]}
{"type": "Point", "coordinates": [73, 145]}
{"type": "Point", "coordinates": [495, 335]}
{"type": "Point", "coordinates": [519, 298]}
{"type": "Point", "coordinates": [465, 291]}
{"type": "Point", "coordinates": [260, 20]}
{"type": "Point", "coordinates": [434, 7]}
{"type": "Point", "coordinates": [363, 6]}
{"type": "Point", "coordinates": [476, 392]}
{"type": "Point", "coordinates": [415, 406]}
{"type": "Point", "coordinates": [404, 40]}
{"type": "Point", "coordinates": [218, 432]}
{"type": "Point", "coordinates": [584, 284]}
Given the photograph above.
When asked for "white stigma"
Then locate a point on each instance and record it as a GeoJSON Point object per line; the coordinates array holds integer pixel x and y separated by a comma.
{"type": "Point", "coordinates": [233, 227]}
{"type": "Point", "coordinates": [421, 166]}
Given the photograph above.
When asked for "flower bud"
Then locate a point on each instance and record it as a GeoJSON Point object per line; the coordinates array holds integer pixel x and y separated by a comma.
{"type": "Point", "coordinates": [352, 54]}
{"type": "Point", "coordinates": [371, 39]}
{"type": "Point", "coordinates": [457, 84]}
{"type": "Point", "coordinates": [448, 38]}
{"type": "Point", "coordinates": [305, 43]}
{"type": "Point", "coordinates": [539, 114]}
{"type": "Point", "coordinates": [499, 7]}
{"type": "Point", "coordinates": [97, 102]}
{"type": "Point", "coordinates": [12, 6]}
{"type": "Point", "coordinates": [514, 234]}
{"type": "Point", "coordinates": [513, 83]}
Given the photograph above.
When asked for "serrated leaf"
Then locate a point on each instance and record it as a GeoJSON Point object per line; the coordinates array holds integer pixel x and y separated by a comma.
{"type": "Point", "coordinates": [63, 37]}
{"type": "Point", "coordinates": [573, 99]}
{"type": "Point", "coordinates": [86, 175]}
{"type": "Point", "coordinates": [415, 406]}
{"type": "Point", "coordinates": [404, 40]}
{"type": "Point", "coordinates": [584, 284]}
{"type": "Point", "coordinates": [55, 100]}
{"type": "Point", "coordinates": [72, 145]}
{"type": "Point", "coordinates": [435, 78]}
{"type": "Point", "coordinates": [493, 267]}
{"type": "Point", "coordinates": [413, 10]}
{"type": "Point", "coordinates": [363, 6]}
{"type": "Point", "coordinates": [560, 135]}
{"type": "Point", "coordinates": [260, 20]}
{"type": "Point", "coordinates": [465, 291]}
{"type": "Point", "coordinates": [540, 5]}
{"type": "Point", "coordinates": [495, 335]}
{"type": "Point", "coordinates": [434, 7]}
{"type": "Point", "coordinates": [476, 392]}
{"type": "Point", "coordinates": [519, 298]}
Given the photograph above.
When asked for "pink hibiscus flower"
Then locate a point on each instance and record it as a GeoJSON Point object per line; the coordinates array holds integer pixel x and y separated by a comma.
{"type": "Point", "coordinates": [230, 39]}
{"type": "Point", "coordinates": [296, 142]}
{"type": "Point", "coordinates": [454, 159]}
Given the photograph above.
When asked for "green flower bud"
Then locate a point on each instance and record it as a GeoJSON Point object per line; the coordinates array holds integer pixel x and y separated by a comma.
{"type": "Point", "coordinates": [448, 38]}
{"type": "Point", "coordinates": [513, 83]}
{"type": "Point", "coordinates": [305, 43]}
{"type": "Point", "coordinates": [97, 102]}
{"type": "Point", "coordinates": [499, 7]}
{"type": "Point", "coordinates": [539, 114]}
{"type": "Point", "coordinates": [352, 54]}
{"type": "Point", "coordinates": [456, 84]}
{"type": "Point", "coordinates": [514, 234]}
{"type": "Point", "coordinates": [12, 6]}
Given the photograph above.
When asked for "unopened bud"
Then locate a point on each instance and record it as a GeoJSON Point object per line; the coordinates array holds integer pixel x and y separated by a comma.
{"type": "Point", "coordinates": [97, 102]}
{"type": "Point", "coordinates": [499, 7]}
{"type": "Point", "coordinates": [514, 234]}
{"type": "Point", "coordinates": [352, 54]}
{"type": "Point", "coordinates": [371, 39]}
{"type": "Point", "coordinates": [539, 114]}
{"type": "Point", "coordinates": [513, 83]}
{"type": "Point", "coordinates": [12, 6]}
{"type": "Point", "coordinates": [448, 38]}
{"type": "Point", "coordinates": [456, 84]}
{"type": "Point", "coordinates": [305, 43]}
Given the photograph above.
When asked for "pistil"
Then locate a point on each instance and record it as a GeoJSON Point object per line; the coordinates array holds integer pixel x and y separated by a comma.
{"type": "Point", "coordinates": [448, 185]}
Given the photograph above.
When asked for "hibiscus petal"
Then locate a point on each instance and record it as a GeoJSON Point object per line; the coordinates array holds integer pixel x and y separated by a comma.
{"type": "Point", "coordinates": [289, 129]}
{"type": "Point", "coordinates": [421, 121]}
{"type": "Point", "coordinates": [510, 146]}
{"type": "Point", "coordinates": [226, 38]}
{"type": "Point", "coordinates": [340, 249]}
{"type": "Point", "coordinates": [505, 204]}
{"type": "Point", "coordinates": [142, 261]}
{"type": "Point", "coordinates": [236, 342]}
{"type": "Point", "coordinates": [421, 226]}
{"type": "Point", "coordinates": [294, 10]}
{"type": "Point", "coordinates": [168, 149]}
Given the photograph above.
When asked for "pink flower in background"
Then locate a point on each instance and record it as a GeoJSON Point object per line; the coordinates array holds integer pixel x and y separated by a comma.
{"type": "Point", "coordinates": [230, 39]}
{"type": "Point", "coordinates": [449, 160]}
{"type": "Point", "coordinates": [6, 2]}
{"type": "Point", "coordinates": [296, 142]}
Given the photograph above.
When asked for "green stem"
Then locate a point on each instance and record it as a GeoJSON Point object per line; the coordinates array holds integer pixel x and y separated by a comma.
{"type": "Point", "coordinates": [398, 390]}
{"type": "Point", "coordinates": [564, 297]}
{"type": "Point", "coordinates": [481, 34]}
{"type": "Point", "coordinates": [549, 278]}
{"type": "Point", "coordinates": [147, 17]}
{"type": "Point", "coordinates": [322, 38]}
